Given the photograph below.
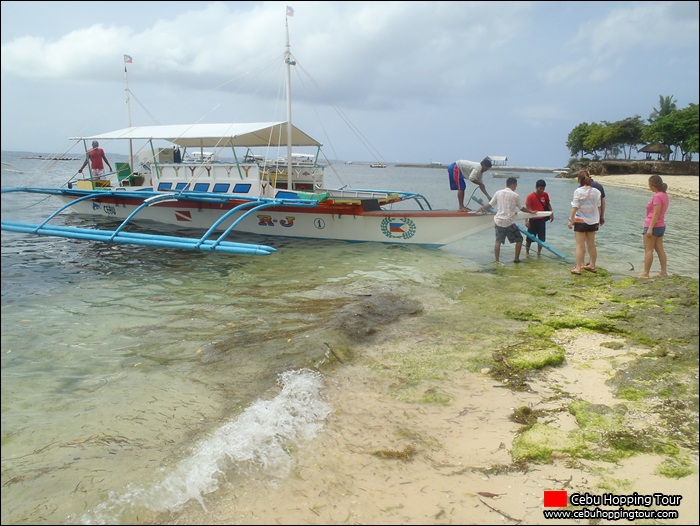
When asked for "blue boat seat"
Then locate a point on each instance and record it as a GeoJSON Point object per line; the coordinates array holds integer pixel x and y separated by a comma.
{"type": "Point", "coordinates": [242, 188]}
{"type": "Point", "coordinates": [221, 188]}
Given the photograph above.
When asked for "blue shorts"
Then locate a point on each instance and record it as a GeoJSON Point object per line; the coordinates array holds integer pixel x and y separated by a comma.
{"type": "Point", "coordinates": [511, 232]}
{"type": "Point", "coordinates": [457, 181]}
{"type": "Point", "coordinates": [657, 231]}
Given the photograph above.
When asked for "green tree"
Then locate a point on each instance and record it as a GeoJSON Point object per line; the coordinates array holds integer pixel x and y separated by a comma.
{"type": "Point", "coordinates": [575, 141]}
{"type": "Point", "coordinates": [625, 135]}
{"type": "Point", "coordinates": [600, 138]}
{"type": "Point", "coordinates": [667, 105]}
{"type": "Point", "coordinates": [678, 130]}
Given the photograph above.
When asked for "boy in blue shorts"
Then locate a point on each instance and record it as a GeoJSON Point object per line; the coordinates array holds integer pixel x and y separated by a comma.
{"type": "Point", "coordinates": [474, 172]}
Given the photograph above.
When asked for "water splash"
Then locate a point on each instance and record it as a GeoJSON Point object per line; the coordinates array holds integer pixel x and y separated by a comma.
{"type": "Point", "coordinates": [255, 442]}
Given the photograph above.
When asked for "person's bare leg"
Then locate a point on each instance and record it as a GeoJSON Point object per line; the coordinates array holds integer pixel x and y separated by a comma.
{"type": "Point", "coordinates": [518, 248]}
{"type": "Point", "coordinates": [580, 251]}
{"type": "Point", "coordinates": [592, 250]}
{"type": "Point", "coordinates": [659, 247]}
{"type": "Point", "coordinates": [648, 255]}
{"type": "Point", "coordinates": [497, 251]}
{"type": "Point", "coordinates": [460, 200]}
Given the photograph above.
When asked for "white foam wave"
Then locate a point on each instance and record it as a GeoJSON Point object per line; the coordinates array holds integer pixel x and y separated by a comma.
{"type": "Point", "coordinates": [255, 442]}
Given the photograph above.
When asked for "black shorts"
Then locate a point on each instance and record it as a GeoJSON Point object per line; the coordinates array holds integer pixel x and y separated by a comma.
{"type": "Point", "coordinates": [538, 228]}
{"type": "Point", "coordinates": [585, 227]}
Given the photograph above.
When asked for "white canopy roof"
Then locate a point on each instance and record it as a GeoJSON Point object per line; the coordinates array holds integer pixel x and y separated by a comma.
{"type": "Point", "coordinates": [213, 135]}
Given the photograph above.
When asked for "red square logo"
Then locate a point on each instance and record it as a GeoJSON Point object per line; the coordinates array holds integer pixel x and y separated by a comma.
{"type": "Point", "coordinates": [555, 499]}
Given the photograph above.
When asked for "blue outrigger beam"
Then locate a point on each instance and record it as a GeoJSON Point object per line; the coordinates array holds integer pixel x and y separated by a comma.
{"type": "Point", "coordinates": [116, 236]}
{"type": "Point", "coordinates": [545, 245]}
{"type": "Point", "coordinates": [203, 244]}
{"type": "Point", "coordinates": [528, 234]}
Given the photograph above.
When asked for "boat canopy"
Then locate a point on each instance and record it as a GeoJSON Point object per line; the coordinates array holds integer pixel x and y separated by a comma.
{"type": "Point", "coordinates": [255, 134]}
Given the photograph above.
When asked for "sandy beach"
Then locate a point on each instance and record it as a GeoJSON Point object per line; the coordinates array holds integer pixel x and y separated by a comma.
{"type": "Point", "coordinates": [362, 469]}
{"type": "Point", "coordinates": [380, 460]}
{"type": "Point", "coordinates": [678, 185]}
{"type": "Point", "coordinates": [384, 459]}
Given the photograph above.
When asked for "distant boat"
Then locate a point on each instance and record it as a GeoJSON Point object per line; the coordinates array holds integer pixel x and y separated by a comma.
{"type": "Point", "coordinates": [504, 175]}
{"type": "Point", "coordinates": [435, 163]}
{"type": "Point", "coordinates": [377, 165]}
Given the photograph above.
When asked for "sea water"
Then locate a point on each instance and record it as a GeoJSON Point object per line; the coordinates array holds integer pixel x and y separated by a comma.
{"type": "Point", "coordinates": [136, 380]}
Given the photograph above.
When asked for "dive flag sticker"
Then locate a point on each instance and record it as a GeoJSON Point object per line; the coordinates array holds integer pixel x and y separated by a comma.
{"type": "Point", "coordinates": [183, 215]}
{"type": "Point", "coordinates": [555, 499]}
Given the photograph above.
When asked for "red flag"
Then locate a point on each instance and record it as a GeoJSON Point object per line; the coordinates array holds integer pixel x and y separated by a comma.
{"type": "Point", "coordinates": [128, 59]}
{"type": "Point", "coordinates": [555, 499]}
{"type": "Point", "coordinates": [290, 11]}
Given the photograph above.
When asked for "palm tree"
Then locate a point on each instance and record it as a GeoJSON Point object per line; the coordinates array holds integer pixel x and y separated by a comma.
{"type": "Point", "coordinates": [666, 106]}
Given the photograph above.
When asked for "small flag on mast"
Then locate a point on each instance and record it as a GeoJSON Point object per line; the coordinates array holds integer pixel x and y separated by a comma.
{"type": "Point", "coordinates": [290, 11]}
{"type": "Point", "coordinates": [127, 59]}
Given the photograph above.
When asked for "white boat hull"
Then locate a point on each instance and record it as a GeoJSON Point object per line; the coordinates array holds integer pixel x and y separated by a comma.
{"type": "Point", "coordinates": [421, 227]}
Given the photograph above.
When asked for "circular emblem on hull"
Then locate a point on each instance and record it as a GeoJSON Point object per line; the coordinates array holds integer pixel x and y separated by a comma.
{"type": "Point", "coordinates": [398, 227]}
{"type": "Point", "coordinates": [319, 223]}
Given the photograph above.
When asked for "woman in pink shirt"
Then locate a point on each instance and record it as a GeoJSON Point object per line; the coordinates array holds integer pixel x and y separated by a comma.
{"type": "Point", "coordinates": [654, 227]}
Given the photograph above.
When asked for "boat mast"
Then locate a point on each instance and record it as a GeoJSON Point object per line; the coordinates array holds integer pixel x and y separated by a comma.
{"type": "Point", "coordinates": [289, 62]}
{"type": "Point", "coordinates": [127, 59]}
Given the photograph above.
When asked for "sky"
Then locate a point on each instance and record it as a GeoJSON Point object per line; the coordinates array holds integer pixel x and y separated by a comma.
{"type": "Point", "coordinates": [408, 82]}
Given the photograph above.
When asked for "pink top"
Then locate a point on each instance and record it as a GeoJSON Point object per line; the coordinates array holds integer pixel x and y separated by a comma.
{"type": "Point", "coordinates": [660, 198]}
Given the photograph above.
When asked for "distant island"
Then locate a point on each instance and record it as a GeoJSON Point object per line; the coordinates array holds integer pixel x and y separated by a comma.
{"type": "Point", "coordinates": [538, 169]}
{"type": "Point", "coordinates": [42, 158]}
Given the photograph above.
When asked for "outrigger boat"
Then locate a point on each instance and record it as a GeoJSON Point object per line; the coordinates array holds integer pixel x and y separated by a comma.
{"type": "Point", "coordinates": [206, 192]}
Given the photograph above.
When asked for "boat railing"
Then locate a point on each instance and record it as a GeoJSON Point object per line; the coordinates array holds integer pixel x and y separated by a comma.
{"type": "Point", "coordinates": [388, 197]}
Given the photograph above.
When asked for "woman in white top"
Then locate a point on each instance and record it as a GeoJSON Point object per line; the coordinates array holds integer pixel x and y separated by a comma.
{"type": "Point", "coordinates": [585, 220]}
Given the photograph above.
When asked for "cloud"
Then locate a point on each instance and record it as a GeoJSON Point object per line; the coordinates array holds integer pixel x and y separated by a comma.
{"type": "Point", "coordinates": [456, 73]}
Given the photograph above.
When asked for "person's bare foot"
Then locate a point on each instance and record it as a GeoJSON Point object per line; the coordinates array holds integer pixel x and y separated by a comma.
{"type": "Point", "coordinates": [661, 275]}
{"type": "Point", "coordinates": [465, 209]}
{"type": "Point", "coordinates": [643, 276]}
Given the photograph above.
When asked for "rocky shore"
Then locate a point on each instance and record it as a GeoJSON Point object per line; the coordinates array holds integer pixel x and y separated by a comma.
{"type": "Point", "coordinates": [622, 167]}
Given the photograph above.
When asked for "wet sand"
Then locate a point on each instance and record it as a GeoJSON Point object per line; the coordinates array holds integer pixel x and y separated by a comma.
{"type": "Point", "coordinates": [347, 474]}
{"type": "Point", "coordinates": [380, 460]}
{"type": "Point", "coordinates": [383, 461]}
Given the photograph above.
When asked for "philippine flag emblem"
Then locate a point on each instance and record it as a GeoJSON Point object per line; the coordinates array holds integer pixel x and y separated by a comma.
{"type": "Point", "coordinates": [398, 227]}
